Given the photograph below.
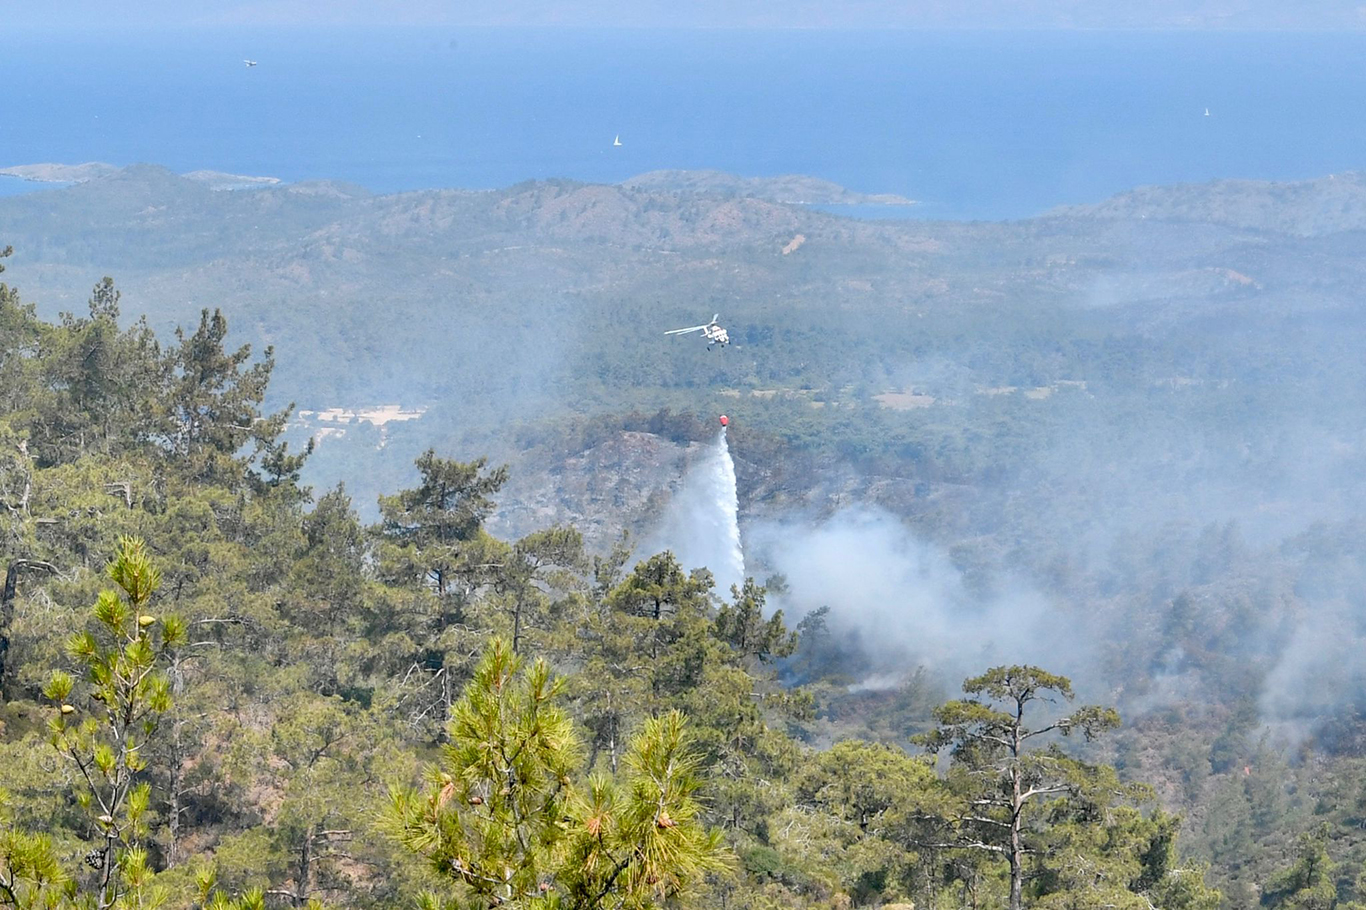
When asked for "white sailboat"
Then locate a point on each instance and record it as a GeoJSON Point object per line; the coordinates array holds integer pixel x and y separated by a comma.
{"type": "Point", "coordinates": [617, 141]}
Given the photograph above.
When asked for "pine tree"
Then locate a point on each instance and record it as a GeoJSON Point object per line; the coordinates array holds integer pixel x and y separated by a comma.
{"type": "Point", "coordinates": [505, 822]}
{"type": "Point", "coordinates": [428, 528]}
{"type": "Point", "coordinates": [1002, 777]}
{"type": "Point", "coordinates": [210, 407]}
{"type": "Point", "coordinates": [1309, 883]}
{"type": "Point", "coordinates": [31, 876]}
{"type": "Point", "coordinates": [535, 577]}
{"type": "Point", "coordinates": [101, 382]}
{"type": "Point", "coordinates": [741, 625]}
{"type": "Point", "coordinates": [644, 644]}
{"type": "Point", "coordinates": [103, 734]}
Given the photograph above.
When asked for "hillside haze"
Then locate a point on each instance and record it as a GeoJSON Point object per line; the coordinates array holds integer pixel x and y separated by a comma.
{"type": "Point", "coordinates": [1121, 439]}
{"type": "Point", "coordinates": [375, 533]}
{"type": "Point", "coordinates": [548, 300]}
{"type": "Point", "coordinates": [877, 344]}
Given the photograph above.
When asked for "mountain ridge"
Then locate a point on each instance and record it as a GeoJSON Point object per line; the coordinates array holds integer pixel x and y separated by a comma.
{"type": "Point", "coordinates": [568, 267]}
{"type": "Point", "coordinates": [1318, 206]}
{"type": "Point", "coordinates": [793, 189]}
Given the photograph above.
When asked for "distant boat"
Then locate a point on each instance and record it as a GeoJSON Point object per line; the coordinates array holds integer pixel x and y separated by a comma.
{"type": "Point", "coordinates": [617, 141]}
{"type": "Point", "coordinates": [1206, 112]}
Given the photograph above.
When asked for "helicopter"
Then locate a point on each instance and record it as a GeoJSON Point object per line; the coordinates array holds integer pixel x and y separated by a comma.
{"type": "Point", "coordinates": [712, 332]}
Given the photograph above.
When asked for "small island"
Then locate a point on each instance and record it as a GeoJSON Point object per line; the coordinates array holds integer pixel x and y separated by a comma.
{"type": "Point", "coordinates": [67, 174]}
{"type": "Point", "coordinates": [59, 173]}
{"type": "Point", "coordinates": [218, 180]}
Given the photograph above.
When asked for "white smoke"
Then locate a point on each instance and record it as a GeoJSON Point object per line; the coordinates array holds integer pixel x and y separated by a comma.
{"type": "Point", "coordinates": [702, 522]}
{"type": "Point", "coordinates": [907, 601]}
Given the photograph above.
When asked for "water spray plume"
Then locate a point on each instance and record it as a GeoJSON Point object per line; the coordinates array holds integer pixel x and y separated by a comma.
{"type": "Point", "coordinates": [728, 506]}
{"type": "Point", "coordinates": [702, 523]}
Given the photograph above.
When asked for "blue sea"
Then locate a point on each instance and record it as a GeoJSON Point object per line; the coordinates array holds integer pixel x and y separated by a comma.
{"type": "Point", "coordinates": [974, 125]}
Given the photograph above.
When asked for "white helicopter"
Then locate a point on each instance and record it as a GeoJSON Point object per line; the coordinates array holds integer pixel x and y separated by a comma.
{"type": "Point", "coordinates": [712, 332]}
{"type": "Point", "coordinates": [249, 62]}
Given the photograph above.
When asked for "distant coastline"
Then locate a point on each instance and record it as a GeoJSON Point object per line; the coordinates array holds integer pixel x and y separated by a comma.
{"type": "Point", "coordinates": [1335, 202]}
{"type": "Point", "coordinates": [68, 174]}
{"type": "Point", "coordinates": [788, 189]}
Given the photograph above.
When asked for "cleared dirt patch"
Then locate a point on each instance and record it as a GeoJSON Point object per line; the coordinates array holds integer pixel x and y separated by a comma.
{"type": "Point", "coordinates": [904, 401]}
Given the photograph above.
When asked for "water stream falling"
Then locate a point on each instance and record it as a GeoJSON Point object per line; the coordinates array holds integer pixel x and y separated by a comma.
{"type": "Point", "coordinates": [728, 505]}
{"type": "Point", "coordinates": [702, 522]}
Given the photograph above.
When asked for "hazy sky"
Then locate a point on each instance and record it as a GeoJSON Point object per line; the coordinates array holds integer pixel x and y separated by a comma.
{"type": "Point", "coordinates": [694, 13]}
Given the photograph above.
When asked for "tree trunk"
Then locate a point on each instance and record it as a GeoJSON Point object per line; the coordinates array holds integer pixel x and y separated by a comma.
{"type": "Point", "coordinates": [7, 597]}
{"type": "Point", "coordinates": [108, 889]}
{"type": "Point", "coordinates": [1016, 812]}
{"type": "Point", "coordinates": [1016, 872]}
{"type": "Point", "coordinates": [1016, 843]}
{"type": "Point", "coordinates": [173, 785]}
{"type": "Point", "coordinates": [173, 826]}
{"type": "Point", "coordinates": [303, 886]}
{"type": "Point", "coordinates": [612, 736]}
{"type": "Point", "coordinates": [7, 617]}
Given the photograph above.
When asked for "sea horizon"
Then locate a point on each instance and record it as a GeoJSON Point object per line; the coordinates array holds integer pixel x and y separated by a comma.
{"type": "Point", "coordinates": [1047, 118]}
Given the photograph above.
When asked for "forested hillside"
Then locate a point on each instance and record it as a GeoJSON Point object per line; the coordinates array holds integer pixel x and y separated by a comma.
{"type": "Point", "coordinates": [1119, 444]}
{"type": "Point", "coordinates": [221, 689]}
{"type": "Point", "coordinates": [1167, 327]}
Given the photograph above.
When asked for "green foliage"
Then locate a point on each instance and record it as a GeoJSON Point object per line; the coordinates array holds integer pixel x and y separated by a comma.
{"type": "Point", "coordinates": [1003, 780]}
{"type": "Point", "coordinates": [126, 695]}
{"type": "Point", "coordinates": [31, 875]}
{"type": "Point", "coordinates": [504, 820]}
{"type": "Point", "coordinates": [211, 407]}
{"type": "Point", "coordinates": [100, 382]}
{"type": "Point", "coordinates": [642, 641]}
{"type": "Point", "coordinates": [873, 800]}
{"type": "Point", "coordinates": [316, 747]}
{"type": "Point", "coordinates": [1309, 883]}
{"type": "Point", "coordinates": [537, 578]}
{"type": "Point", "coordinates": [742, 625]}
{"type": "Point", "coordinates": [326, 593]}
{"type": "Point", "coordinates": [428, 527]}
{"type": "Point", "coordinates": [238, 759]}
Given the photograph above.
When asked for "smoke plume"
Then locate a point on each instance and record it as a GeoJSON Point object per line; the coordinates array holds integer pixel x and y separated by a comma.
{"type": "Point", "coordinates": [906, 600]}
